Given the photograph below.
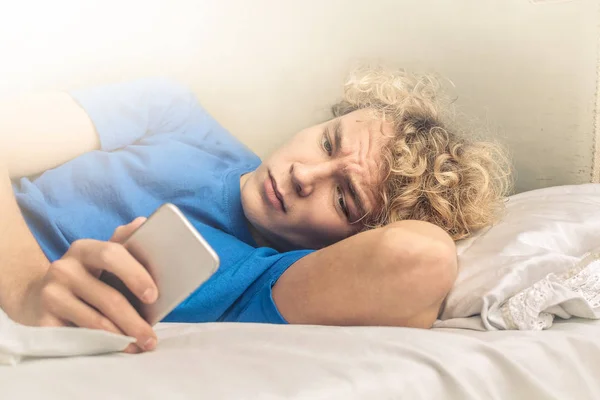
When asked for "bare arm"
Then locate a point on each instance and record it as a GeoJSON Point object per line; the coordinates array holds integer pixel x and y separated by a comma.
{"type": "Point", "coordinates": [39, 131]}
{"type": "Point", "coordinates": [34, 291]}
{"type": "Point", "coordinates": [398, 275]}
{"type": "Point", "coordinates": [21, 258]}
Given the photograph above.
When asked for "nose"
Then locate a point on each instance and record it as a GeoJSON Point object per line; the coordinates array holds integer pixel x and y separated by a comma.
{"type": "Point", "coordinates": [306, 176]}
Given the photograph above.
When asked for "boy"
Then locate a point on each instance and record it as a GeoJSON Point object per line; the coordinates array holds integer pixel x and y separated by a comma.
{"type": "Point", "coordinates": [352, 222]}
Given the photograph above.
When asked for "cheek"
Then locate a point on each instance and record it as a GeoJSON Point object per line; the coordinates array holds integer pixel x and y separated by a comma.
{"type": "Point", "coordinates": [252, 203]}
{"type": "Point", "coordinates": [318, 219]}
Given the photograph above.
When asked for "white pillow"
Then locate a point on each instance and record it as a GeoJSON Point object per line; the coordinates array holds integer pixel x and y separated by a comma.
{"type": "Point", "coordinates": [545, 231]}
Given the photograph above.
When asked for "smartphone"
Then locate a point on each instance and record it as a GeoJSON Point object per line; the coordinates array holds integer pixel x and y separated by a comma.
{"type": "Point", "coordinates": [177, 257]}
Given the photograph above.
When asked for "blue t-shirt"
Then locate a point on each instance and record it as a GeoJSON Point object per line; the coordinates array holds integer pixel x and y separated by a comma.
{"type": "Point", "coordinates": [159, 145]}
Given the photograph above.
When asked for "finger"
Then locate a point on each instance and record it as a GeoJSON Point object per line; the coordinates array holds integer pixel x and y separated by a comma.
{"type": "Point", "coordinates": [50, 296]}
{"type": "Point", "coordinates": [49, 320]}
{"type": "Point", "coordinates": [74, 310]}
{"type": "Point", "coordinates": [114, 258]}
{"type": "Point", "coordinates": [84, 316]}
{"type": "Point", "coordinates": [124, 231]}
{"type": "Point", "coordinates": [116, 308]}
{"type": "Point", "coordinates": [132, 349]}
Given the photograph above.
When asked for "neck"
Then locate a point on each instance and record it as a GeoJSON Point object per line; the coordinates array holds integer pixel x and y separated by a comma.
{"type": "Point", "coordinates": [260, 240]}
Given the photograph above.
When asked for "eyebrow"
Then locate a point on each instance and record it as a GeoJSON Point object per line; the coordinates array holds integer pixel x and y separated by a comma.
{"type": "Point", "coordinates": [338, 143]}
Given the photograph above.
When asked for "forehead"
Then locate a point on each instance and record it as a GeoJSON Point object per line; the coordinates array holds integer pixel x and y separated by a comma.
{"type": "Point", "coordinates": [368, 124]}
{"type": "Point", "coordinates": [364, 134]}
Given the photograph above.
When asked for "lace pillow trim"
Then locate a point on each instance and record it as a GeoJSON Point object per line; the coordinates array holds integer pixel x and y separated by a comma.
{"type": "Point", "coordinates": [524, 311]}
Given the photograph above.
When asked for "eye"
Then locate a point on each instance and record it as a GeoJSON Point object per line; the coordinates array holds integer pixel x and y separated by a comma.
{"type": "Point", "coordinates": [326, 144]}
{"type": "Point", "coordinates": [342, 202]}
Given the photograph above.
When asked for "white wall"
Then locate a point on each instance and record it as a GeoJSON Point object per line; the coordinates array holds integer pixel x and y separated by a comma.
{"type": "Point", "coordinates": [267, 68]}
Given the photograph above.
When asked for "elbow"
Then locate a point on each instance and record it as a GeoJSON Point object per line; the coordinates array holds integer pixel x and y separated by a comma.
{"type": "Point", "coordinates": [421, 258]}
{"type": "Point", "coordinates": [441, 266]}
{"type": "Point", "coordinates": [424, 245]}
{"type": "Point", "coordinates": [439, 273]}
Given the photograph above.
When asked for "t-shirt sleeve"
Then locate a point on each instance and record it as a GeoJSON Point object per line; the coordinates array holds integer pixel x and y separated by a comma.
{"type": "Point", "coordinates": [123, 113]}
{"type": "Point", "coordinates": [257, 304]}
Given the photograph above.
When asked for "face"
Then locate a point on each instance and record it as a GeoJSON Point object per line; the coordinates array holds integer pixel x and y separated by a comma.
{"type": "Point", "coordinates": [313, 190]}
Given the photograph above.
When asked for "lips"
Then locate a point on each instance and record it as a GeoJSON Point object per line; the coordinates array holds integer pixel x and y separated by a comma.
{"type": "Point", "coordinates": [273, 195]}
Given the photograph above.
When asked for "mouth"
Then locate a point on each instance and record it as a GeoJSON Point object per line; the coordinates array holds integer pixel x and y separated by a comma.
{"type": "Point", "coordinates": [273, 195]}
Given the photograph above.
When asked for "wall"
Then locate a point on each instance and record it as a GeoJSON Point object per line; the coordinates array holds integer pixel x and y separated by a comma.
{"type": "Point", "coordinates": [524, 69]}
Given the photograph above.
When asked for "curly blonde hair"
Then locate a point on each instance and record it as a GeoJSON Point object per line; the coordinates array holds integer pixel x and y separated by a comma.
{"type": "Point", "coordinates": [431, 172]}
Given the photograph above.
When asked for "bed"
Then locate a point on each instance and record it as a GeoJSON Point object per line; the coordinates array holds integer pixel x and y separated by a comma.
{"type": "Point", "coordinates": [497, 337]}
{"type": "Point", "coordinates": [235, 361]}
{"type": "Point", "coordinates": [522, 319]}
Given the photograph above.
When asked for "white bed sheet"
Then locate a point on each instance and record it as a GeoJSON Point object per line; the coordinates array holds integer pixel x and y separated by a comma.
{"type": "Point", "coordinates": [248, 361]}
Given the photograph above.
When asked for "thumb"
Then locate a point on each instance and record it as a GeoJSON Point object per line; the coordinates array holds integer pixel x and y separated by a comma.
{"type": "Point", "coordinates": [124, 231]}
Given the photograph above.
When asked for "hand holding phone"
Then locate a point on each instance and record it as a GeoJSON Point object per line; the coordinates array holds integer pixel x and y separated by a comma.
{"type": "Point", "coordinates": [177, 257]}
{"type": "Point", "coordinates": [158, 262]}
{"type": "Point", "coordinates": [70, 294]}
